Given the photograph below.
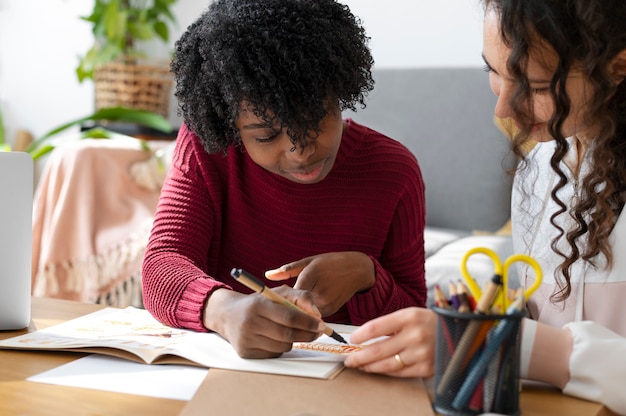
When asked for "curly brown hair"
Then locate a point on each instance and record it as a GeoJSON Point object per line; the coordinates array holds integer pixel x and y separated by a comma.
{"type": "Point", "coordinates": [285, 58]}
{"type": "Point", "coordinates": [586, 34]}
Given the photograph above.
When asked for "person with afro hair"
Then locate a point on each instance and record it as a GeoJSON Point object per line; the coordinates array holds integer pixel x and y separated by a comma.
{"type": "Point", "coordinates": [268, 177]}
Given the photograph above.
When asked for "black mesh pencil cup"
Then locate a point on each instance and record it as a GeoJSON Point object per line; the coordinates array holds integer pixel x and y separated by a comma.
{"type": "Point", "coordinates": [477, 361]}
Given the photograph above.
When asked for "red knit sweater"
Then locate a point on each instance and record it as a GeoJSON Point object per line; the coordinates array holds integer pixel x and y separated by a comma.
{"type": "Point", "coordinates": [221, 211]}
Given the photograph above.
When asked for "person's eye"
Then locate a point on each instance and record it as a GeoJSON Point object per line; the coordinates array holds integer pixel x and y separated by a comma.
{"type": "Point", "coordinates": [267, 139]}
{"type": "Point", "coordinates": [487, 68]}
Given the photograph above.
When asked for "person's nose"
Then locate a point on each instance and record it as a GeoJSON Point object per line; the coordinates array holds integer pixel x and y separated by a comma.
{"type": "Point", "coordinates": [504, 92]}
{"type": "Point", "coordinates": [299, 153]}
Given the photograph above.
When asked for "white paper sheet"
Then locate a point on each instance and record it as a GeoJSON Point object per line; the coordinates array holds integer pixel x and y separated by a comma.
{"type": "Point", "coordinates": [178, 382]}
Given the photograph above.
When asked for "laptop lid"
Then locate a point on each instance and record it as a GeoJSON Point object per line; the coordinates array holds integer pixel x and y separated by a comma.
{"type": "Point", "coordinates": [16, 206]}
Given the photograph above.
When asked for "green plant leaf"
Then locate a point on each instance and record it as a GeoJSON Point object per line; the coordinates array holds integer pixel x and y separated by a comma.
{"type": "Point", "coordinates": [114, 21]}
{"type": "Point", "coordinates": [160, 28]}
{"type": "Point", "coordinates": [119, 114]}
{"type": "Point", "coordinates": [40, 151]}
{"type": "Point", "coordinates": [141, 30]}
{"type": "Point", "coordinates": [96, 133]}
{"type": "Point", "coordinates": [87, 64]}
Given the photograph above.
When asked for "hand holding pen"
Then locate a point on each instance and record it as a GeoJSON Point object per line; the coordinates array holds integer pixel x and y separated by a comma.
{"type": "Point", "coordinates": [257, 327]}
{"type": "Point", "coordinates": [255, 284]}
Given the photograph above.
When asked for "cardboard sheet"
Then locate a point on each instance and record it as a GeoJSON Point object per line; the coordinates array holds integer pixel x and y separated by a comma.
{"type": "Point", "coordinates": [352, 392]}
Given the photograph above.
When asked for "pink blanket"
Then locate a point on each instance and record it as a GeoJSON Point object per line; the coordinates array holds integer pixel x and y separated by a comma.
{"type": "Point", "coordinates": [91, 221]}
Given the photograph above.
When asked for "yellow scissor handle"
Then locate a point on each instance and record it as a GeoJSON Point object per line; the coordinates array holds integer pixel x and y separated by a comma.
{"type": "Point", "coordinates": [530, 261]}
{"type": "Point", "coordinates": [469, 280]}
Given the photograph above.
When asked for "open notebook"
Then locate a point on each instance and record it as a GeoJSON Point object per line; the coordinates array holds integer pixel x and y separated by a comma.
{"type": "Point", "coordinates": [134, 334]}
{"type": "Point", "coordinates": [16, 205]}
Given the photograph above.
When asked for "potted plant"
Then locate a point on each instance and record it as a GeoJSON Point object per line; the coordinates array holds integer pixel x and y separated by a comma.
{"type": "Point", "coordinates": [123, 75]}
{"type": "Point", "coordinates": [129, 88]}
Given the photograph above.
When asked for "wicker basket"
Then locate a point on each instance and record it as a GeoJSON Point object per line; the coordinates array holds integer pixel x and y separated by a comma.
{"type": "Point", "coordinates": [142, 86]}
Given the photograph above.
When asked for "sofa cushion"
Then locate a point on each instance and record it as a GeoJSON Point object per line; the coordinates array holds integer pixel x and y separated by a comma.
{"type": "Point", "coordinates": [435, 238]}
{"type": "Point", "coordinates": [445, 117]}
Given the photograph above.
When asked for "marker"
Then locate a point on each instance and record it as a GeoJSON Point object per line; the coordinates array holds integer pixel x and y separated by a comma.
{"type": "Point", "coordinates": [258, 286]}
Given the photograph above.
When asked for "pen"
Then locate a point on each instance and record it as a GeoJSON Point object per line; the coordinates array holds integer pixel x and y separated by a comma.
{"type": "Point", "coordinates": [255, 284]}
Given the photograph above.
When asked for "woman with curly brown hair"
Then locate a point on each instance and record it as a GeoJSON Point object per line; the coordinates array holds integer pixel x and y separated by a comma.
{"type": "Point", "coordinates": [558, 69]}
{"type": "Point", "coordinates": [268, 177]}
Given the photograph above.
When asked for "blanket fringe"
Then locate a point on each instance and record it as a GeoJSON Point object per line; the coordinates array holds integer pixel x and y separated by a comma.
{"type": "Point", "coordinates": [127, 293]}
{"type": "Point", "coordinates": [111, 277]}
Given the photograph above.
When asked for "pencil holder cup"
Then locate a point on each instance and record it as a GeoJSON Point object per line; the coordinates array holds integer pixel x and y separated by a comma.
{"type": "Point", "coordinates": [477, 360]}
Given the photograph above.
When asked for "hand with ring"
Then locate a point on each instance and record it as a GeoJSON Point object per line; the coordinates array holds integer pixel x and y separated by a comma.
{"type": "Point", "coordinates": [399, 360]}
{"type": "Point", "coordinates": [406, 347]}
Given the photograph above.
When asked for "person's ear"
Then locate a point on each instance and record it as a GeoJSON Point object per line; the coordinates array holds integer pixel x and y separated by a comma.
{"type": "Point", "coordinates": [618, 66]}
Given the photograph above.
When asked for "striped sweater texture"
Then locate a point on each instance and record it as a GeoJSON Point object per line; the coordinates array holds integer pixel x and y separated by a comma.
{"type": "Point", "coordinates": [220, 211]}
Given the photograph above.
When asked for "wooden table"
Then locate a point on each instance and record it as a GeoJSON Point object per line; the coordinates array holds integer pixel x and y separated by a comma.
{"type": "Point", "coordinates": [223, 392]}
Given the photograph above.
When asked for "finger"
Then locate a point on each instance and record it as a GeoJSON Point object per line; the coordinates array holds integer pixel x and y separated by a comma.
{"type": "Point", "coordinates": [412, 362]}
{"type": "Point", "coordinates": [286, 335]}
{"type": "Point", "coordinates": [306, 280]}
{"type": "Point", "coordinates": [379, 327]}
{"type": "Point", "coordinates": [385, 346]}
{"type": "Point", "coordinates": [415, 346]}
{"type": "Point", "coordinates": [390, 365]}
{"type": "Point", "coordinates": [263, 347]}
{"type": "Point", "coordinates": [398, 368]}
{"type": "Point", "coordinates": [372, 353]}
{"type": "Point", "coordinates": [287, 271]}
{"type": "Point", "coordinates": [290, 317]}
{"type": "Point", "coordinates": [272, 341]}
{"type": "Point", "coordinates": [303, 300]}
{"type": "Point", "coordinates": [278, 275]}
{"type": "Point", "coordinates": [307, 305]}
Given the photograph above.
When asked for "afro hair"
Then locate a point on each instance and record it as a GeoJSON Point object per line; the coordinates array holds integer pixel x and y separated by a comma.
{"type": "Point", "coordinates": [286, 58]}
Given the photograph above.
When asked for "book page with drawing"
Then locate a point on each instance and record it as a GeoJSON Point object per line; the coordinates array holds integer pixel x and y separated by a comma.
{"type": "Point", "coordinates": [134, 334]}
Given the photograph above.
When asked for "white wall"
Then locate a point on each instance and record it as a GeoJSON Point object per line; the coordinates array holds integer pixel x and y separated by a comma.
{"type": "Point", "coordinates": [414, 33]}
{"type": "Point", "coordinates": [41, 39]}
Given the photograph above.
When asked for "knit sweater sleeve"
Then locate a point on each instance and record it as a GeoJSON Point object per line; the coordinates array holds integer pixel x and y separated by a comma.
{"type": "Point", "coordinates": [399, 270]}
{"type": "Point", "coordinates": [175, 286]}
{"type": "Point", "coordinates": [389, 294]}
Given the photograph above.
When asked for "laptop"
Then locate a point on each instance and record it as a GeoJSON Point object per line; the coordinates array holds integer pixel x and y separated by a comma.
{"type": "Point", "coordinates": [16, 206]}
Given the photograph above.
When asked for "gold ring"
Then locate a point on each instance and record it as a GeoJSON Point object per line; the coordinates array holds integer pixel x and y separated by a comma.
{"type": "Point", "coordinates": [399, 360]}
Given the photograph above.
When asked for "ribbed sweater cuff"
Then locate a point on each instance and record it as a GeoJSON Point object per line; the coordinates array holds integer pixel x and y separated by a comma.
{"type": "Point", "coordinates": [377, 298]}
{"type": "Point", "coordinates": [190, 310]}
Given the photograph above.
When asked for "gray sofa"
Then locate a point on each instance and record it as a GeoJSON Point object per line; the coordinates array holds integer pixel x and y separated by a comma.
{"type": "Point", "coordinates": [445, 117]}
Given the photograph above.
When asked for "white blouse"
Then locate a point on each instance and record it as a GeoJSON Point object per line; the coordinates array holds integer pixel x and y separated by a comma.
{"type": "Point", "coordinates": [593, 312]}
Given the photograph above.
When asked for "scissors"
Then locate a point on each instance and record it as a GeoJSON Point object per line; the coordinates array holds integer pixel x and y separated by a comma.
{"type": "Point", "coordinates": [501, 269]}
